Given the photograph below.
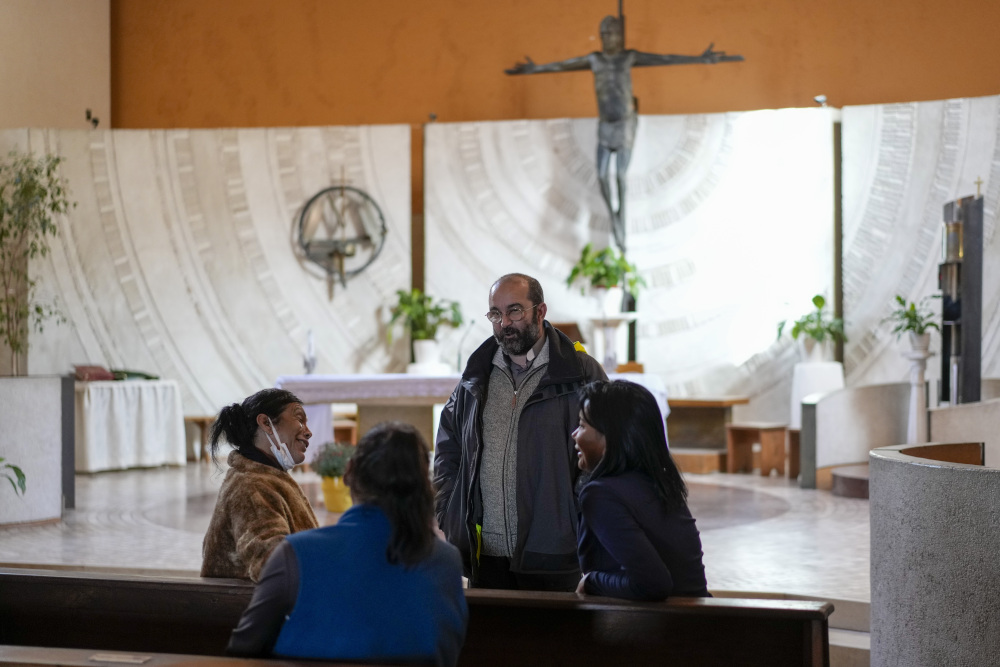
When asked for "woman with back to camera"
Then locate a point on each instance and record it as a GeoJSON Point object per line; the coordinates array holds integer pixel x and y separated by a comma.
{"type": "Point", "coordinates": [378, 586]}
{"type": "Point", "coordinates": [637, 538]}
{"type": "Point", "coordinates": [259, 502]}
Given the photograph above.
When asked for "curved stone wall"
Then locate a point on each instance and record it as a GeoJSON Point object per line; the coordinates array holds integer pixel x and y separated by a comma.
{"type": "Point", "coordinates": [935, 536]}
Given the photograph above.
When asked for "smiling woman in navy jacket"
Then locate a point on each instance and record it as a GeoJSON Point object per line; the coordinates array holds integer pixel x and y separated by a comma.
{"type": "Point", "coordinates": [638, 539]}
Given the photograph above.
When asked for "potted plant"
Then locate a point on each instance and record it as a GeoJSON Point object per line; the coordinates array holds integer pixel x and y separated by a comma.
{"type": "Point", "coordinates": [914, 318]}
{"type": "Point", "coordinates": [18, 481]}
{"type": "Point", "coordinates": [816, 328]}
{"type": "Point", "coordinates": [331, 464]}
{"type": "Point", "coordinates": [31, 194]}
{"type": "Point", "coordinates": [609, 275]}
{"type": "Point", "coordinates": [32, 197]}
{"type": "Point", "coordinates": [421, 315]}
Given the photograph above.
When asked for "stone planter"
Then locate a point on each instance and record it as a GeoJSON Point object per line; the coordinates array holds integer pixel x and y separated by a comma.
{"type": "Point", "coordinates": [920, 342]}
{"type": "Point", "coordinates": [609, 300]}
{"type": "Point", "coordinates": [813, 351]}
{"type": "Point", "coordinates": [32, 437]}
{"type": "Point", "coordinates": [427, 359]}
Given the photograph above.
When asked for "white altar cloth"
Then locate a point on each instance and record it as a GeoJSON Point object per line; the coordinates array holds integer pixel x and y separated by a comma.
{"type": "Point", "coordinates": [128, 424]}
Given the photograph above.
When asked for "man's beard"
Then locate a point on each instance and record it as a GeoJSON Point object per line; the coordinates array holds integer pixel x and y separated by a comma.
{"type": "Point", "coordinates": [522, 341]}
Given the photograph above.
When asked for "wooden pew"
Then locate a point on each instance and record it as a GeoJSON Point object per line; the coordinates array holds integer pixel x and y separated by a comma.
{"type": "Point", "coordinates": [20, 656]}
{"type": "Point", "coordinates": [195, 616]}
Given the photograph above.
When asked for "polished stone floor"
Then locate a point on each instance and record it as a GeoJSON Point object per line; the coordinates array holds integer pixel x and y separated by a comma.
{"type": "Point", "coordinates": [759, 534]}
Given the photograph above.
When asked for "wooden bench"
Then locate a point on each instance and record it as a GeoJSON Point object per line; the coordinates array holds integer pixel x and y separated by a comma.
{"type": "Point", "coordinates": [696, 429]}
{"type": "Point", "coordinates": [203, 423]}
{"type": "Point", "coordinates": [699, 461]}
{"type": "Point", "coordinates": [100, 612]}
{"type": "Point", "coordinates": [11, 656]}
{"type": "Point", "coordinates": [740, 439]}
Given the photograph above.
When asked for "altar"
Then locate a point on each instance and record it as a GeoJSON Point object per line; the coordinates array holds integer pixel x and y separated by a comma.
{"type": "Point", "coordinates": [402, 397]}
{"type": "Point", "coordinates": [397, 396]}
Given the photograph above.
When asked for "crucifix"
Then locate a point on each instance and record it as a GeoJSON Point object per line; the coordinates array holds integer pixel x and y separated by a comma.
{"type": "Point", "coordinates": [617, 115]}
{"type": "Point", "coordinates": [616, 106]}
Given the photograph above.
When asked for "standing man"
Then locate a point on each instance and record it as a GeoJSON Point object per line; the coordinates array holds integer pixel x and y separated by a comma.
{"type": "Point", "coordinates": [504, 464]}
{"type": "Point", "coordinates": [616, 106]}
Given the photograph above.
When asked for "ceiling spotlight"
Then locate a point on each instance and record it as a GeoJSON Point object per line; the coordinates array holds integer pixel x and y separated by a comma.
{"type": "Point", "coordinates": [820, 100]}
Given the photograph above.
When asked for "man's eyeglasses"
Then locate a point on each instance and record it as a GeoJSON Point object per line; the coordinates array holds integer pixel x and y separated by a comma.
{"type": "Point", "coordinates": [514, 314]}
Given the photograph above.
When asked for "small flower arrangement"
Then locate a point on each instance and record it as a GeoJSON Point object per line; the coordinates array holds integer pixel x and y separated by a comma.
{"type": "Point", "coordinates": [331, 461]}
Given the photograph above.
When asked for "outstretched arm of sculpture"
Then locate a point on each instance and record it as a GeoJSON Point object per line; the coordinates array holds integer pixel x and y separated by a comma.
{"type": "Point", "coordinates": [708, 57]}
{"type": "Point", "coordinates": [569, 65]}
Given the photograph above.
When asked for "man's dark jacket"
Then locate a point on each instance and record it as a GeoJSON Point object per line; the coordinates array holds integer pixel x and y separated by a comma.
{"type": "Point", "coordinates": [546, 461]}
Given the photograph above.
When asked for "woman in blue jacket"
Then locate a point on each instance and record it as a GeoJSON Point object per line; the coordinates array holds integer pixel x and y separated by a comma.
{"type": "Point", "coordinates": [378, 586]}
{"type": "Point", "coordinates": [637, 538]}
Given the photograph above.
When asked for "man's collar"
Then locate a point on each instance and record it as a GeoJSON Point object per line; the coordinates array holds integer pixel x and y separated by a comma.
{"type": "Point", "coordinates": [501, 358]}
{"type": "Point", "coordinates": [536, 348]}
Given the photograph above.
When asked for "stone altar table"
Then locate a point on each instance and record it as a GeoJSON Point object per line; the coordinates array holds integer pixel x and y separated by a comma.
{"type": "Point", "coordinates": [389, 396]}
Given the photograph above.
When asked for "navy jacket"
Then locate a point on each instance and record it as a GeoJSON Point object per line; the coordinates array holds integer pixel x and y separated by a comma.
{"type": "Point", "coordinates": [632, 547]}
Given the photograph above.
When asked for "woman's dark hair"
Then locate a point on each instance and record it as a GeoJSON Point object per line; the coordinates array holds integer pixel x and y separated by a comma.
{"type": "Point", "coordinates": [632, 424]}
{"type": "Point", "coordinates": [391, 469]}
{"type": "Point", "coordinates": [237, 423]}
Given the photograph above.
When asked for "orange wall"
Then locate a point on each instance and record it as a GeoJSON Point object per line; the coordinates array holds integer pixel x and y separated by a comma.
{"type": "Point", "coordinates": [217, 63]}
{"type": "Point", "coordinates": [191, 63]}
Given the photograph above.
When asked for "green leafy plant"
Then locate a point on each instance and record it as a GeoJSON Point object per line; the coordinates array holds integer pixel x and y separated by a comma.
{"type": "Point", "coordinates": [605, 268]}
{"type": "Point", "coordinates": [331, 461]}
{"type": "Point", "coordinates": [913, 316]}
{"type": "Point", "coordinates": [816, 325]}
{"type": "Point", "coordinates": [421, 314]}
{"type": "Point", "coordinates": [18, 481]}
{"type": "Point", "coordinates": [31, 194]}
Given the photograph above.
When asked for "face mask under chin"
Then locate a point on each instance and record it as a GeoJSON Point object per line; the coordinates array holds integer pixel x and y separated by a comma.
{"type": "Point", "coordinates": [279, 449]}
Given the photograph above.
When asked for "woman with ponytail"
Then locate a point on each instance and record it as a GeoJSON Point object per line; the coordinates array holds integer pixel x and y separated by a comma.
{"type": "Point", "coordinates": [376, 587]}
{"type": "Point", "coordinates": [637, 538]}
{"type": "Point", "coordinates": [259, 502]}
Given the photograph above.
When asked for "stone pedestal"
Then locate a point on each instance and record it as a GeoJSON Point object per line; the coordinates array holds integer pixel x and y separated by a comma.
{"type": "Point", "coordinates": [916, 429]}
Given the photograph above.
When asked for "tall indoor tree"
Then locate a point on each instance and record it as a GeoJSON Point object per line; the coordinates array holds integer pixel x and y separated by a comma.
{"type": "Point", "coordinates": [32, 195]}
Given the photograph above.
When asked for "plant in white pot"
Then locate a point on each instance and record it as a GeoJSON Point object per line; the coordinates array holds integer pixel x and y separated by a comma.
{"type": "Point", "coordinates": [32, 194]}
{"type": "Point", "coordinates": [422, 315]}
{"type": "Point", "coordinates": [914, 318]}
{"type": "Point", "coordinates": [817, 330]}
{"type": "Point", "coordinates": [609, 275]}
{"type": "Point", "coordinates": [331, 464]}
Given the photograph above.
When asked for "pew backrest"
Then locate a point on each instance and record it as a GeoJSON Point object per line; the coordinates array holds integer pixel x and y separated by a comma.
{"type": "Point", "coordinates": [195, 616]}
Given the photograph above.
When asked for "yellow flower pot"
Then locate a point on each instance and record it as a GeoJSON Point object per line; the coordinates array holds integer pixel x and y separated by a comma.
{"type": "Point", "coordinates": [336, 495]}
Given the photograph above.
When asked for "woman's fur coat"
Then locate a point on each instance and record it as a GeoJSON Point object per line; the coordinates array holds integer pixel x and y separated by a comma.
{"type": "Point", "coordinates": [258, 506]}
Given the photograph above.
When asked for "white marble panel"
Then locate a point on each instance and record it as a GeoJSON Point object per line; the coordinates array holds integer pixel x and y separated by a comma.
{"type": "Point", "coordinates": [31, 439]}
{"type": "Point", "coordinates": [729, 219]}
{"type": "Point", "coordinates": [180, 257]}
{"type": "Point", "coordinates": [902, 162]}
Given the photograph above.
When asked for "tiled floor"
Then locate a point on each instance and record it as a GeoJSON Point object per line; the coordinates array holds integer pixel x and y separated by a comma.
{"type": "Point", "coordinates": [759, 534]}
